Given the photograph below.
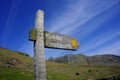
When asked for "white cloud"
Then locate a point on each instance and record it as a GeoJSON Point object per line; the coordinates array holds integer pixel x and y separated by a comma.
{"type": "Point", "coordinates": [10, 20]}
{"type": "Point", "coordinates": [112, 48]}
{"type": "Point", "coordinates": [99, 40]}
{"type": "Point", "coordinates": [78, 13]}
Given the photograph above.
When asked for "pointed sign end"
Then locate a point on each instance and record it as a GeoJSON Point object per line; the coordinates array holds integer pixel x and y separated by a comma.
{"type": "Point", "coordinates": [74, 44]}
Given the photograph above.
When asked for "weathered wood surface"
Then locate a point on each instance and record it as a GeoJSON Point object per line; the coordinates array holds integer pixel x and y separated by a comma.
{"type": "Point", "coordinates": [58, 41]}
{"type": "Point", "coordinates": [32, 35]}
{"type": "Point", "coordinates": [39, 58]}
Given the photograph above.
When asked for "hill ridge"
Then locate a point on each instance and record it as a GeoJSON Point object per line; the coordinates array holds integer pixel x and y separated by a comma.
{"type": "Point", "coordinates": [10, 58]}
{"type": "Point", "coordinates": [83, 60]}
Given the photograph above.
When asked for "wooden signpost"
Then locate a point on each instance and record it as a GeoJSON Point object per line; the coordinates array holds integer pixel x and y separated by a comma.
{"type": "Point", "coordinates": [43, 39]}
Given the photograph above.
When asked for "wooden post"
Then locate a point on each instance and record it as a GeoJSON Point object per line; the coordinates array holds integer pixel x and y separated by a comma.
{"type": "Point", "coordinates": [43, 39]}
{"type": "Point", "coordinates": [39, 57]}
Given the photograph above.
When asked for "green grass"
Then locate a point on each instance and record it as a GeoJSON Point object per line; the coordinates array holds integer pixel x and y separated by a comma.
{"type": "Point", "coordinates": [22, 69]}
{"type": "Point", "coordinates": [15, 59]}
{"type": "Point", "coordinates": [15, 74]}
{"type": "Point", "coordinates": [19, 59]}
{"type": "Point", "coordinates": [57, 71]}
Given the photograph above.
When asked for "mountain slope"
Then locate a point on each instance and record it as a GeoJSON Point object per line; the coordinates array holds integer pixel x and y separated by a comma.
{"type": "Point", "coordinates": [80, 59]}
{"type": "Point", "coordinates": [10, 58]}
{"type": "Point", "coordinates": [19, 66]}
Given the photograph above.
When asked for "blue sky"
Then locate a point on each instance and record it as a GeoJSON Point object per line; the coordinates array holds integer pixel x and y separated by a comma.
{"type": "Point", "coordinates": [94, 23]}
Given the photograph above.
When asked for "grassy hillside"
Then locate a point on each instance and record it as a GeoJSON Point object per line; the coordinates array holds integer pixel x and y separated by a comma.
{"type": "Point", "coordinates": [58, 71]}
{"type": "Point", "coordinates": [10, 58]}
{"type": "Point", "coordinates": [18, 66]}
